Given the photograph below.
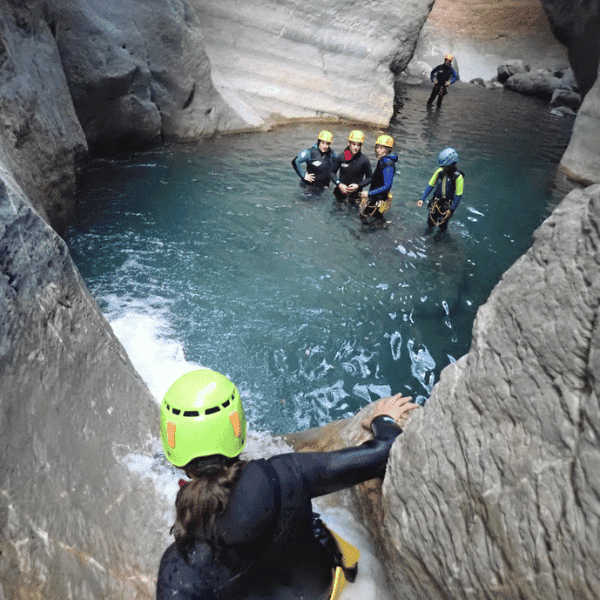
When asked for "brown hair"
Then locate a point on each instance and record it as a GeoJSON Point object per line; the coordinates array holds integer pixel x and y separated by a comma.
{"type": "Point", "coordinates": [200, 501]}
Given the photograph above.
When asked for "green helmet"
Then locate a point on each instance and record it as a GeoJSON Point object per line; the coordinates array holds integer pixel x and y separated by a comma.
{"type": "Point", "coordinates": [200, 415]}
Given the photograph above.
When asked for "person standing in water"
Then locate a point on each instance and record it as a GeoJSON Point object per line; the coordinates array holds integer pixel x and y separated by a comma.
{"type": "Point", "coordinates": [442, 77]}
{"type": "Point", "coordinates": [351, 170]}
{"type": "Point", "coordinates": [378, 199]}
{"type": "Point", "coordinates": [319, 160]}
{"type": "Point", "coordinates": [448, 185]}
{"type": "Point", "coordinates": [244, 529]}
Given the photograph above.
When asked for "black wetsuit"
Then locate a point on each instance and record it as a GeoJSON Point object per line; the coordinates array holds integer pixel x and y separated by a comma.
{"type": "Point", "coordinates": [318, 163]}
{"type": "Point", "coordinates": [270, 551]}
{"type": "Point", "coordinates": [439, 76]}
{"type": "Point", "coordinates": [381, 185]}
{"type": "Point", "coordinates": [353, 168]}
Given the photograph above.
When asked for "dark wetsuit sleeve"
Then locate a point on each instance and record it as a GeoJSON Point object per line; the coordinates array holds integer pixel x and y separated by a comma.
{"type": "Point", "coordinates": [367, 172]}
{"type": "Point", "coordinates": [336, 167]}
{"type": "Point", "coordinates": [252, 507]}
{"type": "Point", "coordinates": [388, 179]}
{"type": "Point", "coordinates": [301, 158]}
{"type": "Point", "coordinates": [434, 72]}
{"type": "Point", "coordinates": [327, 472]}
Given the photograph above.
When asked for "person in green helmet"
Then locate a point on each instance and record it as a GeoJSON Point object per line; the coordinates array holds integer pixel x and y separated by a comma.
{"type": "Point", "coordinates": [245, 529]}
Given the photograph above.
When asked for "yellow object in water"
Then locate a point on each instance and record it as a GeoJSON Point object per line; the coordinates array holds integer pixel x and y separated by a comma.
{"type": "Point", "coordinates": [350, 556]}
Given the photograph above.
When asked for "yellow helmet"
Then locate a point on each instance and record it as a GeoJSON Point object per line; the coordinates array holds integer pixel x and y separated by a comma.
{"type": "Point", "coordinates": [325, 136]}
{"type": "Point", "coordinates": [449, 57]}
{"type": "Point", "coordinates": [385, 140]}
{"type": "Point", "coordinates": [357, 136]}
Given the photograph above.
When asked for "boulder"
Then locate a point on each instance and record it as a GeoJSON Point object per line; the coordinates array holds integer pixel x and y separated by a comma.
{"type": "Point", "coordinates": [309, 58]}
{"type": "Point", "coordinates": [566, 97]}
{"type": "Point", "coordinates": [509, 68]}
{"type": "Point", "coordinates": [540, 84]}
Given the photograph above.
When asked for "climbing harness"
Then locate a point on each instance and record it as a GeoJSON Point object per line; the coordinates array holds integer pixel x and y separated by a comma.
{"type": "Point", "coordinates": [345, 556]}
{"type": "Point", "coordinates": [381, 205]}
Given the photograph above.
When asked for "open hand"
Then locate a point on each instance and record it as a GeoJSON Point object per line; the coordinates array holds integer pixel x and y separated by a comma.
{"type": "Point", "coordinates": [395, 406]}
{"type": "Point", "coordinates": [310, 177]}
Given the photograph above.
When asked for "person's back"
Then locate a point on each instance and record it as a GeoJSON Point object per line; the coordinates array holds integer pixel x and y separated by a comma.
{"type": "Point", "coordinates": [244, 530]}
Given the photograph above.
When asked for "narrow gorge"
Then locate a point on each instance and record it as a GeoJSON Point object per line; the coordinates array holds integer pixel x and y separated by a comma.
{"type": "Point", "coordinates": [500, 502]}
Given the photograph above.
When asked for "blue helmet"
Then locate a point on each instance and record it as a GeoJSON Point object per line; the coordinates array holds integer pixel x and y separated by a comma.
{"type": "Point", "coordinates": [447, 157]}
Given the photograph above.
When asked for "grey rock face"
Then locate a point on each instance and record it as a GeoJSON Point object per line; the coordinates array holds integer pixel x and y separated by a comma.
{"type": "Point", "coordinates": [581, 159]}
{"type": "Point", "coordinates": [41, 136]}
{"type": "Point", "coordinates": [494, 489]}
{"type": "Point", "coordinates": [138, 72]}
{"type": "Point", "coordinates": [309, 59]}
{"type": "Point", "coordinates": [539, 84]}
{"type": "Point", "coordinates": [73, 522]}
{"type": "Point", "coordinates": [576, 23]}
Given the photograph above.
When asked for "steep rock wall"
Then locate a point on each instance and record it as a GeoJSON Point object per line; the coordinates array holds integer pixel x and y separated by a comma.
{"type": "Point", "coordinates": [138, 72]}
{"type": "Point", "coordinates": [272, 58]}
{"type": "Point", "coordinates": [494, 489]}
{"type": "Point", "coordinates": [73, 523]}
{"type": "Point", "coordinates": [40, 135]}
{"type": "Point", "coordinates": [577, 25]}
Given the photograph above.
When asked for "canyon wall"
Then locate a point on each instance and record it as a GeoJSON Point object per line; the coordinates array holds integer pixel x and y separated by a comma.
{"type": "Point", "coordinates": [493, 489]}
{"type": "Point", "coordinates": [273, 60]}
{"type": "Point", "coordinates": [501, 502]}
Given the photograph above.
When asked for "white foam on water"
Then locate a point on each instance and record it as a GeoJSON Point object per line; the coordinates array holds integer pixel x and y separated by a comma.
{"type": "Point", "coordinates": [147, 335]}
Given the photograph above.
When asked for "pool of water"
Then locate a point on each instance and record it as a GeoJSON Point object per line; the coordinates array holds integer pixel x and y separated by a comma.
{"type": "Point", "coordinates": [210, 254]}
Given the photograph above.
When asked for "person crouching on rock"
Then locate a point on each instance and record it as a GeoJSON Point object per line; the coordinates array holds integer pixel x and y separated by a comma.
{"type": "Point", "coordinates": [319, 160]}
{"type": "Point", "coordinates": [448, 185]}
{"type": "Point", "coordinates": [351, 170]}
{"type": "Point", "coordinates": [244, 529]}
{"type": "Point", "coordinates": [442, 77]}
{"type": "Point", "coordinates": [378, 199]}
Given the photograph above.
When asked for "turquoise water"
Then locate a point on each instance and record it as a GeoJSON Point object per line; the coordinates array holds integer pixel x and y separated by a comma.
{"type": "Point", "coordinates": [211, 255]}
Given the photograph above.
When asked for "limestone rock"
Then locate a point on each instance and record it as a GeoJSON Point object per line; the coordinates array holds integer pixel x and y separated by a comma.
{"type": "Point", "coordinates": [41, 136]}
{"type": "Point", "coordinates": [509, 68]}
{"type": "Point", "coordinates": [540, 84]}
{"type": "Point", "coordinates": [310, 59]}
{"type": "Point", "coordinates": [73, 522]}
{"type": "Point", "coordinates": [493, 488]}
{"type": "Point", "coordinates": [138, 72]}
{"type": "Point", "coordinates": [581, 159]}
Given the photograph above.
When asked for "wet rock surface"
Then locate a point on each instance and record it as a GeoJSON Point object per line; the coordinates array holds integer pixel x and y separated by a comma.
{"type": "Point", "coordinates": [285, 59]}
{"type": "Point", "coordinates": [493, 487]}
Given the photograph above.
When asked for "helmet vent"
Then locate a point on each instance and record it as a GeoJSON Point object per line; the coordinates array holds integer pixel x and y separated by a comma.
{"type": "Point", "coordinates": [226, 403]}
{"type": "Point", "coordinates": [191, 413]}
{"type": "Point", "coordinates": [176, 411]}
{"type": "Point", "coordinates": [210, 411]}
